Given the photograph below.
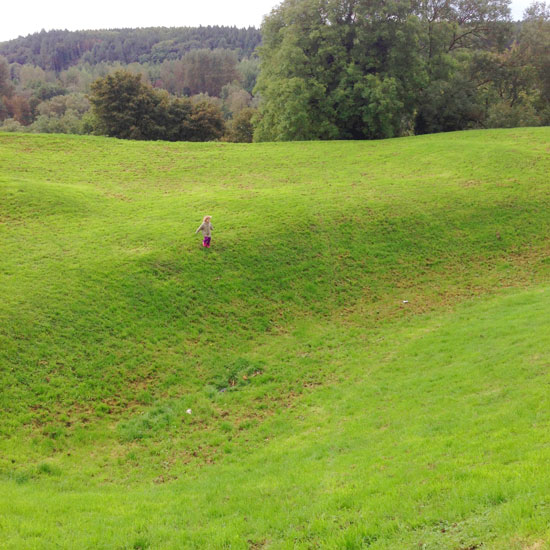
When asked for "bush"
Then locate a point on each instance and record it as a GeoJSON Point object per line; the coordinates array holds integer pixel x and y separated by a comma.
{"type": "Point", "coordinates": [11, 125]}
{"type": "Point", "coordinates": [127, 108]}
{"type": "Point", "coordinates": [241, 128]}
{"type": "Point", "coordinates": [69, 123]}
{"type": "Point", "coordinates": [206, 122]}
{"type": "Point", "coordinates": [502, 115]}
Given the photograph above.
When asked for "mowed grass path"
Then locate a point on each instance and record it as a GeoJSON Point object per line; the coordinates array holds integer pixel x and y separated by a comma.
{"type": "Point", "coordinates": [325, 412]}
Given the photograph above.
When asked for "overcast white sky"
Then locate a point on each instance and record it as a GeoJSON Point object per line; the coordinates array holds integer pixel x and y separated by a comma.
{"type": "Point", "coordinates": [33, 15]}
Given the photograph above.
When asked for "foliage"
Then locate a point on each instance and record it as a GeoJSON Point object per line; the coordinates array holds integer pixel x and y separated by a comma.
{"type": "Point", "coordinates": [11, 125]}
{"type": "Point", "coordinates": [17, 107]}
{"type": "Point", "coordinates": [5, 80]}
{"type": "Point", "coordinates": [294, 109]}
{"type": "Point", "coordinates": [357, 69]}
{"type": "Point", "coordinates": [368, 106]}
{"type": "Point", "coordinates": [241, 128]}
{"type": "Point", "coordinates": [59, 105]}
{"type": "Point", "coordinates": [445, 106]}
{"type": "Point", "coordinates": [58, 50]}
{"type": "Point", "coordinates": [235, 99]}
{"type": "Point", "coordinates": [69, 122]}
{"type": "Point", "coordinates": [504, 115]}
{"type": "Point", "coordinates": [200, 71]}
{"type": "Point", "coordinates": [249, 69]}
{"type": "Point", "coordinates": [45, 90]}
{"type": "Point", "coordinates": [535, 39]}
{"type": "Point", "coordinates": [331, 69]}
{"type": "Point", "coordinates": [127, 108]}
{"type": "Point", "coordinates": [205, 122]}
{"type": "Point", "coordinates": [184, 61]}
{"type": "Point", "coordinates": [334, 62]}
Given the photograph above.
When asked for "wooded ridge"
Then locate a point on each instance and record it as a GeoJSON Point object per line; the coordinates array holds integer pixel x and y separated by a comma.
{"type": "Point", "coordinates": [60, 49]}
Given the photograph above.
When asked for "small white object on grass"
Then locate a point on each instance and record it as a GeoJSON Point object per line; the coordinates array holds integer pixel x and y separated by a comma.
{"type": "Point", "coordinates": [188, 411]}
{"type": "Point", "coordinates": [405, 301]}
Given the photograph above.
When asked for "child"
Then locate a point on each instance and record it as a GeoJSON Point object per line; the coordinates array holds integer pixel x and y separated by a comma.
{"type": "Point", "coordinates": [206, 228]}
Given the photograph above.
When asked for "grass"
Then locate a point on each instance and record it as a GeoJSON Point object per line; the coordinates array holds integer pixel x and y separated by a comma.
{"type": "Point", "coordinates": [275, 391]}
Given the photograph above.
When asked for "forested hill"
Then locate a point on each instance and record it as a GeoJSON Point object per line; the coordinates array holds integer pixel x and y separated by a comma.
{"type": "Point", "coordinates": [57, 50]}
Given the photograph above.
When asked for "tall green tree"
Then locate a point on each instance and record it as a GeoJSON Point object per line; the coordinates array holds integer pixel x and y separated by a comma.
{"type": "Point", "coordinates": [126, 108]}
{"type": "Point", "coordinates": [249, 69]}
{"type": "Point", "coordinates": [359, 69]}
{"type": "Point", "coordinates": [535, 39]}
{"type": "Point", "coordinates": [345, 67]}
{"type": "Point", "coordinates": [6, 87]}
{"type": "Point", "coordinates": [200, 71]}
{"type": "Point", "coordinates": [241, 128]}
{"type": "Point", "coordinates": [206, 122]}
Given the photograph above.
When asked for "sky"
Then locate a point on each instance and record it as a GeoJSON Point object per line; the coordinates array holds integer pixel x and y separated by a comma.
{"type": "Point", "coordinates": [34, 15]}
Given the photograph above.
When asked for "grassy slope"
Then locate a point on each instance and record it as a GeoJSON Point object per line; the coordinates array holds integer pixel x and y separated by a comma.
{"type": "Point", "coordinates": [361, 422]}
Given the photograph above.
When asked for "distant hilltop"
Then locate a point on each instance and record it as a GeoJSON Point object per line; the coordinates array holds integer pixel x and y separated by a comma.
{"type": "Point", "coordinates": [57, 50]}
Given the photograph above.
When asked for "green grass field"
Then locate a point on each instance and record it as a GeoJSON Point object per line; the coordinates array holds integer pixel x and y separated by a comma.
{"type": "Point", "coordinates": [361, 360]}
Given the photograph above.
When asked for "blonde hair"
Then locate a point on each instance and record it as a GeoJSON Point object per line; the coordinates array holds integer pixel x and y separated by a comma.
{"type": "Point", "coordinates": [207, 218]}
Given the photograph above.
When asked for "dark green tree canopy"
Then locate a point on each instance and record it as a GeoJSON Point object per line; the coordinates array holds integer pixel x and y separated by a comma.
{"type": "Point", "coordinates": [359, 69]}
{"type": "Point", "coordinates": [127, 108]}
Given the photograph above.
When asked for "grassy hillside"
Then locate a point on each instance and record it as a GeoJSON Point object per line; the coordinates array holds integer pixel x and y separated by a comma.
{"type": "Point", "coordinates": [359, 361]}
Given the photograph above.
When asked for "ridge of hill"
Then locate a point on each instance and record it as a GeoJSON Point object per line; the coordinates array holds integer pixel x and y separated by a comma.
{"type": "Point", "coordinates": [360, 360]}
{"type": "Point", "coordinates": [57, 50]}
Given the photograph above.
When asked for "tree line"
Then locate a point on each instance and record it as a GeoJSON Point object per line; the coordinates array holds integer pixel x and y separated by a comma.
{"type": "Point", "coordinates": [326, 69]}
{"type": "Point", "coordinates": [58, 50]}
{"type": "Point", "coordinates": [33, 99]}
{"type": "Point", "coordinates": [126, 107]}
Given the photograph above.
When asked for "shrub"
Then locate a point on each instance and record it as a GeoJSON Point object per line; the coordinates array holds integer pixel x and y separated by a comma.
{"type": "Point", "coordinates": [11, 125]}
{"type": "Point", "coordinates": [241, 128]}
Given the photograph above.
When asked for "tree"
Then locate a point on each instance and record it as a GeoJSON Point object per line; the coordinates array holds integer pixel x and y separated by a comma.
{"type": "Point", "coordinates": [447, 105]}
{"type": "Point", "coordinates": [249, 69]}
{"type": "Point", "coordinates": [200, 71]}
{"type": "Point", "coordinates": [450, 25]}
{"type": "Point", "coordinates": [127, 108]}
{"type": "Point", "coordinates": [235, 99]}
{"type": "Point", "coordinates": [58, 50]}
{"type": "Point", "coordinates": [322, 62]}
{"type": "Point", "coordinates": [19, 108]}
{"type": "Point", "coordinates": [241, 128]}
{"type": "Point", "coordinates": [11, 125]}
{"type": "Point", "coordinates": [535, 38]}
{"type": "Point", "coordinates": [294, 109]}
{"type": "Point", "coordinates": [206, 122]}
{"type": "Point", "coordinates": [178, 115]}
{"type": "Point", "coordinates": [6, 87]}
{"type": "Point", "coordinates": [515, 82]}
{"type": "Point", "coordinates": [362, 69]}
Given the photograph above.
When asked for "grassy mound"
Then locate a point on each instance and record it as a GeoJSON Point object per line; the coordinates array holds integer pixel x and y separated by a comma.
{"type": "Point", "coordinates": [312, 380]}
